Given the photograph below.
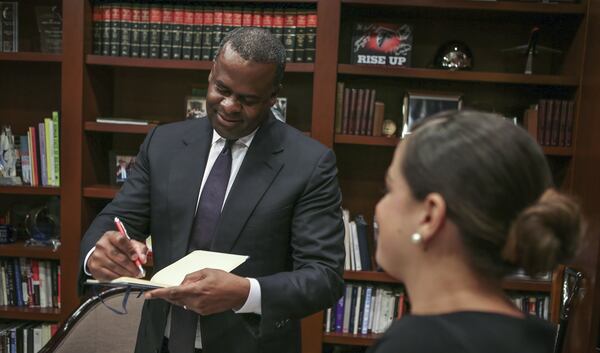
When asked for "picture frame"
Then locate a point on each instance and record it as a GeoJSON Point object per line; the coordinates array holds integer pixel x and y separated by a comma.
{"type": "Point", "coordinates": [279, 109]}
{"type": "Point", "coordinates": [195, 107]}
{"type": "Point", "coordinates": [121, 164]}
{"type": "Point", "coordinates": [420, 104]}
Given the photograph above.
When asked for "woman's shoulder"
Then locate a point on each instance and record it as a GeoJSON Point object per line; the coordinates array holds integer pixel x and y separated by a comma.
{"type": "Point", "coordinates": [464, 331]}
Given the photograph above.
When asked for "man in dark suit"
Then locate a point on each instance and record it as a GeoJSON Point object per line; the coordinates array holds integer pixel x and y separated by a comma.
{"type": "Point", "coordinates": [281, 206]}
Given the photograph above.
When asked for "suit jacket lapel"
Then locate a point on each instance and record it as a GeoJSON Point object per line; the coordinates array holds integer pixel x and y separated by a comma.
{"type": "Point", "coordinates": [258, 170]}
{"type": "Point", "coordinates": [188, 167]}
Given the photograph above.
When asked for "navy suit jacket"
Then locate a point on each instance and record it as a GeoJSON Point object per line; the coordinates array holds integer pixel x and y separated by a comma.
{"type": "Point", "coordinates": [283, 210]}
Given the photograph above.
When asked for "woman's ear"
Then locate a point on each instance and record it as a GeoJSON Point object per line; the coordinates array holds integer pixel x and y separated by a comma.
{"type": "Point", "coordinates": [434, 216]}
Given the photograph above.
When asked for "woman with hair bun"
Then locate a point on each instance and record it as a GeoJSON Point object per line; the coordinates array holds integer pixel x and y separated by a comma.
{"type": "Point", "coordinates": [469, 201]}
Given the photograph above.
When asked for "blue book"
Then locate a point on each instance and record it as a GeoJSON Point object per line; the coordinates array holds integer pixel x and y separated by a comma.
{"type": "Point", "coordinates": [18, 283]}
{"type": "Point", "coordinates": [42, 146]}
{"type": "Point", "coordinates": [339, 315]}
{"type": "Point", "coordinates": [363, 243]}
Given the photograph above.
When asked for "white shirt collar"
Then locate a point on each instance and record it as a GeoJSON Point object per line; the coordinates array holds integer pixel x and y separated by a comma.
{"type": "Point", "coordinates": [246, 140]}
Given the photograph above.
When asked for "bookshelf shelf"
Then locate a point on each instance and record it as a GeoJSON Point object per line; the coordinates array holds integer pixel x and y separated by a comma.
{"type": "Point", "coordinates": [577, 9]}
{"type": "Point", "coordinates": [527, 285]}
{"type": "Point", "coordinates": [37, 314]}
{"type": "Point", "coordinates": [205, 65]}
{"type": "Point", "coordinates": [29, 190]}
{"type": "Point", "coordinates": [99, 191]}
{"type": "Point", "coordinates": [347, 338]}
{"type": "Point", "coordinates": [366, 140]}
{"type": "Point", "coordinates": [31, 57]}
{"type": "Point", "coordinates": [19, 249]}
{"type": "Point", "coordinates": [117, 128]}
{"type": "Point", "coordinates": [371, 276]}
{"type": "Point", "coordinates": [557, 151]}
{"type": "Point", "coordinates": [467, 76]}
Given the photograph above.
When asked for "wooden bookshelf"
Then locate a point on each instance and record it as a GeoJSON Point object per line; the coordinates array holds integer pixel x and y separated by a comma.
{"type": "Point", "coordinates": [30, 190]}
{"type": "Point", "coordinates": [100, 191]}
{"type": "Point", "coordinates": [347, 338]}
{"type": "Point", "coordinates": [467, 76]}
{"type": "Point", "coordinates": [366, 140]}
{"type": "Point", "coordinates": [118, 128]}
{"type": "Point", "coordinates": [557, 151]}
{"type": "Point", "coordinates": [31, 57]}
{"type": "Point", "coordinates": [503, 6]}
{"type": "Point", "coordinates": [527, 285]}
{"type": "Point", "coordinates": [205, 65]}
{"type": "Point", "coordinates": [35, 314]}
{"type": "Point", "coordinates": [370, 276]}
{"type": "Point", "coordinates": [19, 249]}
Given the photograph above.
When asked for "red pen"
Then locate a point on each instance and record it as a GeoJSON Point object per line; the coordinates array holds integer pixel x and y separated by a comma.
{"type": "Point", "coordinates": [123, 232]}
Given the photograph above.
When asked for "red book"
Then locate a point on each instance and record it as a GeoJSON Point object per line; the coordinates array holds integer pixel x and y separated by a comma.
{"type": "Point", "coordinates": [144, 30]}
{"type": "Point", "coordinates": [166, 35]}
{"type": "Point", "coordinates": [35, 280]}
{"type": "Point", "coordinates": [227, 19]}
{"type": "Point", "coordinates": [188, 32]}
{"type": "Point", "coordinates": [98, 26]}
{"type": "Point", "coordinates": [289, 33]}
{"type": "Point", "coordinates": [178, 24]}
{"type": "Point", "coordinates": [115, 33]}
{"type": "Point", "coordinates": [136, 20]}
{"type": "Point", "coordinates": [218, 25]}
{"type": "Point", "coordinates": [155, 30]}
{"type": "Point", "coordinates": [106, 29]}
{"type": "Point", "coordinates": [569, 123]}
{"type": "Point", "coordinates": [126, 19]}
{"type": "Point", "coordinates": [237, 17]}
{"type": "Point", "coordinates": [208, 23]}
{"type": "Point", "coordinates": [33, 157]}
{"type": "Point", "coordinates": [247, 17]}
{"type": "Point", "coordinates": [278, 22]}
{"type": "Point", "coordinates": [311, 36]}
{"type": "Point", "coordinates": [267, 19]}
{"type": "Point", "coordinates": [257, 17]}
{"type": "Point", "coordinates": [300, 46]}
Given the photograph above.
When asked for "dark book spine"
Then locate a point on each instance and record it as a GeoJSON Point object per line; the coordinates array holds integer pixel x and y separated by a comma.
{"type": "Point", "coordinates": [136, 19]}
{"type": "Point", "coordinates": [209, 19]}
{"type": "Point", "coordinates": [278, 22]}
{"type": "Point", "coordinates": [541, 121]}
{"type": "Point", "coordinates": [300, 46]}
{"type": "Point", "coordinates": [548, 124]}
{"type": "Point", "coordinates": [247, 17]}
{"type": "Point", "coordinates": [365, 113]}
{"type": "Point", "coordinates": [98, 26]}
{"type": "Point", "coordinates": [155, 30]}
{"type": "Point", "coordinates": [10, 283]}
{"type": "Point", "coordinates": [18, 285]}
{"type": "Point", "coordinates": [346, 111]}
{"type": "Point", "coordinates": [179, 22]}
{"type": "Point", "coordinates": [126, 19]}
{"type": "Point", "coordinates": [54, 274]}
{"type": "Point", "coordinates": [188, 45]}
{"type": "Point", "coordinates": [144, 30]}
{"type": "Point", "coordinates": [227, 20]}
{"type": "Point", "coordinates": [358, 115]}
{"type": "Point", "coordinates": [371, 115]}
{"type": "Point", "coordinates": [289, 33]}
{"type": "Point", "coordinates": [106, 28]}
{"type": "Point", "coordinates": [199, 30]}
{"type": "Point", "coordinates": [115, 33]}
{"type": "Point", "coordinates": [311, 36]}
{"type": "Point", "coordinates": [555, 123]}
{"type": "Point", "coordinates": [217, 32]}
{"type": "Point", "coordinates": [166, 32]}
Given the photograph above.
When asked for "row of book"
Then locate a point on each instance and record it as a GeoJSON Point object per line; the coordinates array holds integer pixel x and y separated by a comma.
{"type": "Point", "coordinates": [152, 29]}
{"type": "Point", "coordinates": [535, 305]}
{"type": "Point", "coordinates": [9, 34]}
{"type": "Point", "coordinates": [357, 112]}
{"type": "Point", "coordinates": [550, 121]}
{"type": "Point", "coordinates": [29, 283]}
{"type": "Point", "coordinates": [365, 309]}
{"type": "Point", "coordinates": [25, 336]}
{"type": "Point", "coordinates": [38, 153]}
{"type": "Point", "coordinates": [357, 243]}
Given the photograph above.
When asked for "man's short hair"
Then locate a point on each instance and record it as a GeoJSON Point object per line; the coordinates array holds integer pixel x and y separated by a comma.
{"type": "Point", "coordinates": [257, 45]}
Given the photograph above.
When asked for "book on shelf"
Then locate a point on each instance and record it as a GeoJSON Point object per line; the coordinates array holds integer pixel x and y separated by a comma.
{"type": "Point", "coordinates": [9, 26]}
{"type": "Point", "coordinates": [194, 32]}
{"type": "Point", "coordinates": [550, 122]}
{"type": "Point", "coordinates": [381, 44]}
{"type": "Point", "coordinates": [175, 273]}
{"type": "Point", "coordinates": [32, 283]}
{"type": "Point", "coordinates": [124, 121]}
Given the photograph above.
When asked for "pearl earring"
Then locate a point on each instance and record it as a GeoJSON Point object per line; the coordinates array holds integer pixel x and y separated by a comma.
{"type": "Point", "coordinates": [416, 238]}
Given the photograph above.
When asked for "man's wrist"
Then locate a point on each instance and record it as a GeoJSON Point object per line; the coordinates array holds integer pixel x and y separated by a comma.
{"type": "Point", "coordinates": [85, 261]}
{"type": "Point", "coordinates": [253, 299]}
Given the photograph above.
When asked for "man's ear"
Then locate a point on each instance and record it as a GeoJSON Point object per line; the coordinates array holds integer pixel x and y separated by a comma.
{"type": "Point", "coordinates": [434, 216]}
{"type": "Point", "coordinates": [210, 75]}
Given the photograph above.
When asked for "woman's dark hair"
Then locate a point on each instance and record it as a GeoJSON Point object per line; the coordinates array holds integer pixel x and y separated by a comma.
{"type": "Point", "coordinates": [498, 191]}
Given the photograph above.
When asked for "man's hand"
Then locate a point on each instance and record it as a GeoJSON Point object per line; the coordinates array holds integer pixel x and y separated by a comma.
{"type": "Point", "coordinates": [114, 257]}
{"type": "Point", "coordinates": [206, 292]}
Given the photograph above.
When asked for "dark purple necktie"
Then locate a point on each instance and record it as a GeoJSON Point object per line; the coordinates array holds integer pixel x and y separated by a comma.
{"type": "Point", "coordinates": [183, 322]}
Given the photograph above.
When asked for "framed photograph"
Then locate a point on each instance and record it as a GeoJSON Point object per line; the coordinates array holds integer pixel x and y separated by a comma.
{"type": "Point", "coordinates": [120, 165]}
{"type": "Point", "coordinates": [418, 105]}
{"type": "Point", "coordinates": [279, 109]}
{"type": "Point", "coordinates": [195, 107]}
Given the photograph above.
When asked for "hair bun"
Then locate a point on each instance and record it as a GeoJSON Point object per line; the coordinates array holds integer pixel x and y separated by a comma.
{"type": "Point", "coordinates": [544, 234]}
